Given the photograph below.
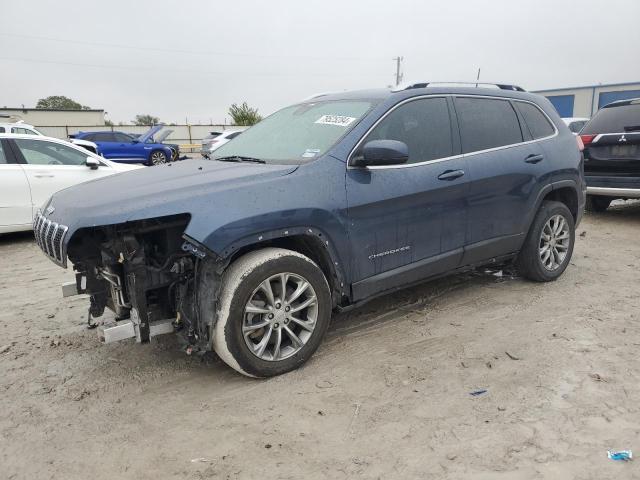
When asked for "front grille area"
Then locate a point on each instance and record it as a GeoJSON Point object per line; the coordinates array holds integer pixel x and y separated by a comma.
{"type": "Point", "coordinates": [50, 238]}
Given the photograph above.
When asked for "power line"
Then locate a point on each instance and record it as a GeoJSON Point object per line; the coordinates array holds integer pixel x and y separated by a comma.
{"type": "Point", "coordinates": [185, 52]}
{"type": "Point", "coordinates": [179, 70]}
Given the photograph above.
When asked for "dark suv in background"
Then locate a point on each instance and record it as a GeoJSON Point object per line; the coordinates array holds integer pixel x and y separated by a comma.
{"type": "Point", "coordinates": [612, 154]}
{"type": "Point", "coordinates": [321, 206]}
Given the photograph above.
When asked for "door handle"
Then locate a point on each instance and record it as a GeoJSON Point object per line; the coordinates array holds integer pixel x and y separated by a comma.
{"type": "Point", "coordinates": [43, 175]}
{"type": "Point", "coordinates": [451, 175]}
{"type": "Point", "coordinates": [534, 158]}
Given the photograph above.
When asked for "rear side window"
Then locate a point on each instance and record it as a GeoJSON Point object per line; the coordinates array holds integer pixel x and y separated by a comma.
{"type": "Point", "coordinates": [122, 137]}
{"type": "Point", "coordinates": [103, 137]}
{"type": "Point", "coordinates": [535, 120]}
{"type": "Point", "coordinates": [2, 130]}
{"type": "Point", "coordinates": [575, 127]}
{"type": "Point", "coordinates": [424, 125]}
{"type": "Point", "coordinates": [22, 131]}
{"type": "Point", "coordinates": [3, 158]}
{"type": "Point", "coordinates": [486, 123]}
{"type": "Point", "coordinates": [619, 119]}
{"type": "Point", "coordinates": [233, 135]}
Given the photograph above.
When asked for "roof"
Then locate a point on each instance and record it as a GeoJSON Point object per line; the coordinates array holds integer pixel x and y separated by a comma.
{"type": "Point", "coordinates": [381, 94]}
{"type": "Point", "coordinates": [622, 103]}
{"type": "Point", "coordinates": [20, 109]}
{"type": "Point", "coordinates": [605, 85]}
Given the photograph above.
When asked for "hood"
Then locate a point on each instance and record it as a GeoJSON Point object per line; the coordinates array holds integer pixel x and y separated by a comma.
{"type": "Point", "coordinates": [190, 186]}
{"type": "Point", "coordinates": [161, 138]}
{"type": "Point", "coordinates": [149, 133]}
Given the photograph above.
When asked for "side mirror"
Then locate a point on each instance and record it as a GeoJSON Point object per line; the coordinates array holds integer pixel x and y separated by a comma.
{"type": "Point", "coordinates": [92, 163]}
{"type": "Point", "coordinates": [135, 140]}
{"type": "Point", "coordinates": [383, 152]}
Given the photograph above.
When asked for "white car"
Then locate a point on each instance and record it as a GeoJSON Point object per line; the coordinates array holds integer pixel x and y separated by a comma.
{"type": "Point", "coordinates": [575, 124]}
{"type": "Point", "coordinates": [33, 167]}
{"type": "Point", "coordinates": [22, 128]}
{"type": "Point", "coordinates": [215, 140]}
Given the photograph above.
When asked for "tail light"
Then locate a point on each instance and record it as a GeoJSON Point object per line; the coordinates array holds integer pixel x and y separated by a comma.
{"type": "Point", "coordinates": [586, 139]}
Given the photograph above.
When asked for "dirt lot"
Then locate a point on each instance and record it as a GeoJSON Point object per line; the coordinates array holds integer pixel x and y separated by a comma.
{"type": "Point", "coordinates": [386, 396]}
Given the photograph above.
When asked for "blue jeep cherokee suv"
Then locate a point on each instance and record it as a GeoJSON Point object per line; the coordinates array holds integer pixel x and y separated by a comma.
{"type": "Point", "coordinates": [321, 206]}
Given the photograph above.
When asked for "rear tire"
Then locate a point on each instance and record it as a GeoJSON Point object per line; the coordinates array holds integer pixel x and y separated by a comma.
{"type": "Point", "coordinates": [549, 244]}
{"type": "Point", "coordinates": [598, 203]}
{"type": "Point", "coordinates": [262, 334]}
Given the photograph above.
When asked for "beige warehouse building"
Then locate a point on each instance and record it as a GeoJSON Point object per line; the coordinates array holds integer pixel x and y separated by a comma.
{"type": "Point", "coordinates": [585, 101]}
{"type": "Point", "coordinates": [42, 118]}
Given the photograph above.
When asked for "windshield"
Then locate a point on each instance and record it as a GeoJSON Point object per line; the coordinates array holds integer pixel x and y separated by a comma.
{"type": "Point", "coordinates": [297, 134]}
{"type": "Point", "coordinates": [617, 119]}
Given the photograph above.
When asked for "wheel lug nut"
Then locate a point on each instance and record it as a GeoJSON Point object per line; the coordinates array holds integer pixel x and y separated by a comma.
{"type": "Point", "coordinates": [278, 305]}
{"type": "Point", "coordinates": [276, 325]}
{"type": "Point", "coordinates": [270, 316]}
{"type": "Point", "coordinates": [286, 320]}
{"type": "Point", "coordinates": [286, 309]}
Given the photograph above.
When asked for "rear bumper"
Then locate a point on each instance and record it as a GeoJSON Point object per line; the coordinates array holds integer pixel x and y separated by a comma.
{"type": "Point", "coordinates": [617, 187]}
{"type": "Point", "coordinates": [614, 192]}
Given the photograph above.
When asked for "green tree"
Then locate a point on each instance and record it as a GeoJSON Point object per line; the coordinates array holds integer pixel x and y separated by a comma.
{"type": "Point", "coordinates": [244, 115]}
{"type": "Point", "coordinates": [146, 120]}
{"type": "Point", "coordinates": [60, 102]}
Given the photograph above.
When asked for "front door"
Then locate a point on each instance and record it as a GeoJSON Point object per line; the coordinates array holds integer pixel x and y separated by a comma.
{"type": "Point", "coordinates": [408, 222]}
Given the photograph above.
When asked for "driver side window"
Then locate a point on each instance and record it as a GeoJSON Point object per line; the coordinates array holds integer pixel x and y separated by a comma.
{"type": "Point", "coordinates": [423, 125]}
{"type": "Point", "coordinates": [48, 153]}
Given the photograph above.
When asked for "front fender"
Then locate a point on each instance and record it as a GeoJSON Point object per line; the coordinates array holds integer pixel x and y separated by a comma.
{"type": "Point", "coordinates": [320, 225]}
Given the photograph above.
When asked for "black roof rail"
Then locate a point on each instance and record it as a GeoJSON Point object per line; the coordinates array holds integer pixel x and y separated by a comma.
{"type": "Point", "coordinates": [501, 86]}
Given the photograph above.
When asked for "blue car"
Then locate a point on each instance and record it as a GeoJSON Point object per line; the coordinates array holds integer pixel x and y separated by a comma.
{"type": "Point", "coordinates": [126, 148]}
{"type": "Point", "coordinates": [322, 206]}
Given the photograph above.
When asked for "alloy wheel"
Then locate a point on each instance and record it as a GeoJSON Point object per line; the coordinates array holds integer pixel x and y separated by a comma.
{"type": "Point", "coordinates": [280, 316]}
{"type": "Point", "coordinates": [555, 240]}
{"type": "Point", "coordinates": [158, 158]}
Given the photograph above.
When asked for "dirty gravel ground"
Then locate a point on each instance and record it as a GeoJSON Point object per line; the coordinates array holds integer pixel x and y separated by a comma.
{"type": "Point", "coordinates": [386, 396]}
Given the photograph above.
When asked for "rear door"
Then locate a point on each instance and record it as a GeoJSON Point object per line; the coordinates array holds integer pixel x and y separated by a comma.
{"type": "Point", "coordinates": [15, 194]}
{"type": "Point", "coordinates": [504, 167]}
{"type": "Point", "coordinates": [51, 166]}
{"type": "Point", "coordinates": [408, 222]}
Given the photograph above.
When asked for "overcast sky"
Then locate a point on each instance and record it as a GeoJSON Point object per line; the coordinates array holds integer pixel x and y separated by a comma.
{"type": "Point", "coordinates": [194, 58]}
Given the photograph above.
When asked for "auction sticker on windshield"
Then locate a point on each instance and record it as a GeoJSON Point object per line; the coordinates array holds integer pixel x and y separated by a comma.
{"type": "Point", "coordinates": [339, 120]}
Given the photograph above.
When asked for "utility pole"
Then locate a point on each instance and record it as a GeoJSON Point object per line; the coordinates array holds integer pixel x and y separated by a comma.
{"type": "Point", "coordinates": [399, 75]}
{"type": "Point", "coordinates": [478, 78]}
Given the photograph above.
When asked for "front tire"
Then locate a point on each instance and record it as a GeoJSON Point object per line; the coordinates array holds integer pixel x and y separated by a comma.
{"type": "Point", "coordinates": [157, 157]}
{"type": "Point", "coordinates": [274, 309]}
{"type": "Point", "coordinates": [598, 203]}
{"type": "Point", "coordinates": [549, 244]}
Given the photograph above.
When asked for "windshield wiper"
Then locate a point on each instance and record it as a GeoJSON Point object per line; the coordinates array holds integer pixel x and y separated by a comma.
{"type": "Point", "coordinates": [238, 158]}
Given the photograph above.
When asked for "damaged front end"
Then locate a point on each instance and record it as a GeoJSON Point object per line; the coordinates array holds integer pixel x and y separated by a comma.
{"type": "Point", "coordinates": [145, 272]}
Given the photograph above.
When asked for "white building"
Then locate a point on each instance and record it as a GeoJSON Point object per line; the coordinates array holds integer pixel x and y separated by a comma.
{"type": "Point", "coordinates": [585, 101]}
{"type": "Point", "coordinates": [42, 118]}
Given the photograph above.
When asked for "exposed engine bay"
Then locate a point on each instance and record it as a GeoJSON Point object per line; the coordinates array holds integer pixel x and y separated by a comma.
{"type": "Point", "coordinates": [145, 272]}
